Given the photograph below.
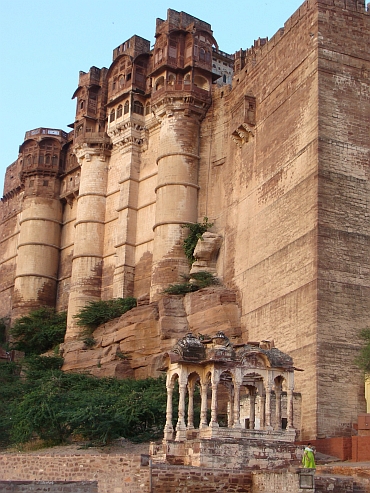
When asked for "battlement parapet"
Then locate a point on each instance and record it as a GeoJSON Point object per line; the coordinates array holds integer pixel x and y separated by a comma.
{"type": "Point", "coordinates": [249, 57]}
{"type": "Point", "coordinates": [49, 132]}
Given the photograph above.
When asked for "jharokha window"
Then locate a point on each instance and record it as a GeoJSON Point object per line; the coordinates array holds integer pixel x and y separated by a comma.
{"type": "Point", "coordinates": [126, 108]}
{"type": "Point", "coordinates": [119, 111]}
{"type": "Point", "coordinates": [138, 108]}
{"type": "Point", "coordinates": [112, 116]}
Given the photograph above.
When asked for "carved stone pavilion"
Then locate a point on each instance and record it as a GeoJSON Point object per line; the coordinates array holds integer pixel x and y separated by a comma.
{"type": "Point", "coordinates": [244, 388]}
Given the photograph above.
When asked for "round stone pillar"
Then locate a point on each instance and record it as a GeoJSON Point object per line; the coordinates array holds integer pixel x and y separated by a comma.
{"type": "Point", "coordinates": [176, 191]}
{"type": "Point", "coordinates": [37, 255]}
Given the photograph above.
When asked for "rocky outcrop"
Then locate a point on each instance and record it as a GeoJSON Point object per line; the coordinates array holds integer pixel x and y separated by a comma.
{"type": "Point", "coordinates": [133, 345]}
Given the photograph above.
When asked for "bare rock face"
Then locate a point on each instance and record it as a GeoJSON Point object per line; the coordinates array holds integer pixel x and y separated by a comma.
{"type": "Point", "coordinates": [133, 345]}
{"type": "Point", "coordinates": [213, 309]}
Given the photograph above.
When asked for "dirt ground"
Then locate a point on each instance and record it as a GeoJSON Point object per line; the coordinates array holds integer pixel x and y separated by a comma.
{"type": "Point", "coordinates": [117, 447]}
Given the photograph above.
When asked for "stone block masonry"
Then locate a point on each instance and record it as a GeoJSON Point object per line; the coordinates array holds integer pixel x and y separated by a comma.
{"type": "Point", "coordinates": [48, 486]}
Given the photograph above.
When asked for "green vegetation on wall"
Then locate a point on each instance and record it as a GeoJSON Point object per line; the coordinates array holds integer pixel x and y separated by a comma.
{"type": "Point", "coordinates": [363, 359]}
{"type": "Point", "coordinates": [39, 331]}
{"type": "Point", "coordinates": [96, 313]}
{"type": "Point", "coordinates": [195, 233]}
{"type": "Point", "coordinates": [192, 282]}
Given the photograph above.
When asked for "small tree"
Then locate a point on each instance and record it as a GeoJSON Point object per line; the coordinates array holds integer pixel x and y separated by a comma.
{"type": "Point", "coordinates": [39, 331]}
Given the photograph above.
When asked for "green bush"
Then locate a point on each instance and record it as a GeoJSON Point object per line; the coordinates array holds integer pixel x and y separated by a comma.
{"type": "Point", "coordinates": [194, 282]}
{"type": "Point", "coordinates": [59, 406]}
{"type": "Point", "coordinates": [11, 390]}
{"type": "Point", "coordinates": [363, 359]}
{"type": "Point", "coordinates": [96, 313]}
{"type": "Point", "coordinates": [39, 331]}
{"type": "Point", "coordinates": [3, 325]}
{"type": "Point", "coordinates": [195, 233]}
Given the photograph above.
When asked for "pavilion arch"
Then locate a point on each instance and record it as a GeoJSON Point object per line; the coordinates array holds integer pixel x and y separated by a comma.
{"type": "Point", "coordinates": [159, 83]}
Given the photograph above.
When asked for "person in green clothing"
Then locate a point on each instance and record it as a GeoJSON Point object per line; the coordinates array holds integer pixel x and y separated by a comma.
{"type": "Point", "coordinates": [308, 459]}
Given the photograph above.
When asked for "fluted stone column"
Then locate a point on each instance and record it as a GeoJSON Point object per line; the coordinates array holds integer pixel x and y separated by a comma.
{"type": "Point", "coordinates": [127, 139]}
{"type": "Point", "coordinates": [89, 235]}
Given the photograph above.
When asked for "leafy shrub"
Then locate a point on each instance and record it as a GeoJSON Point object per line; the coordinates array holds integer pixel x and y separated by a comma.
{"type": "Point", "coordinates": [58, 406]}
{"type": "Point", "coordinates": [11, 390]}
{"type": "Point", "coordinates": [194, 282]}
{"type": "Point", "coordinates": [96, 313]}
{"type": "Point", "coordinates": [195, 233]}
{"type": "Point", "coordinates": [3, 324]}
{"type": "Point", "coordinates": [39, 331]}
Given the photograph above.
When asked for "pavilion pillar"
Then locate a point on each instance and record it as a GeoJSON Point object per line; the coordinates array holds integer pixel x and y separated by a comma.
{"type": "Point", "coordinates": [252, 411]}
{"type": "Point", "coordinates": [168, 429]}
{"type": "Point", "coordinates": [290, 408]}
{"type": "Point", "coordinates": [181, 427]}
{"type": "Point", "coordinates": [191, 386]}
{"type": "Point", "coordinates": [230, 416]}
{"type": "Point", "coordinates": [262, 411]}
{"type": "Point", "coordinates": [268, 408]}
{"type": "Point", "coordinates": [278, 409]}
{"type": "Point", "coordinates": [236, 405]}
{"type": "Point", "coordinates": [203, 406]}
{"type": "Point", "coordinates": [214, 423]}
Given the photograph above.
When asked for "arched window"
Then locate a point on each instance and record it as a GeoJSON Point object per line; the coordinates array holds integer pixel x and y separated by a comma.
{"type": "Point", "coordinates": [126, 108]}
{"type": "Point", "coordinates": [159, 83]}
{"type": "Point", "coordinates": [121, 81]}
{"type": "Point", "coordinates": [187, 79]}
{"type": "Point", "coordinates": [54, 160]}
{"type": "Point", "coordinates": [202, 55]}
{"type": "Point", "coordinates": [119, 111]}
{"type": "Point", "coordinates": [41, 159]}
{"type": "Point", "coordinates": [201, 82]}
{"type": "Point", "coordinates": [171, 80]}
{"type": "Point", "coordinates": [47, 159]}
{"type": "Point", "coordinates": [112, 116]}
{"type": "Point", "coordinates": [138, 108]}
{"type": "Point", "coordinates": [29, 160]}
{"type": "Point", "coordinates": [147, 109]}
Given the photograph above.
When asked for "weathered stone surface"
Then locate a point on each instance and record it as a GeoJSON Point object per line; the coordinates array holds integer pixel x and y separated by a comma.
{"type": "Point", "coordinates": [171, 306]}
{"type": "Point", "coordinates": [205, 298]}
{"type": "Point", "coordinates": [225, 318]}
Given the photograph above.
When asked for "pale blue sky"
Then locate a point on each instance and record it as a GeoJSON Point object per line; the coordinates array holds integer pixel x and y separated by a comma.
{"type": "Point", "coordinates": [44, 45]}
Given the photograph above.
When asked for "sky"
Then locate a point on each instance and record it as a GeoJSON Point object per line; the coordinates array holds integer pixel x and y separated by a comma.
{"type": "Point", "coordinates": [44, 45]}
